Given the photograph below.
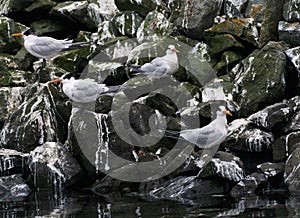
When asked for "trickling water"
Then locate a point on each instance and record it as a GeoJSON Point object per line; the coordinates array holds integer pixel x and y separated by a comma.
{"type": "Point", "coordinates": [103, 142]}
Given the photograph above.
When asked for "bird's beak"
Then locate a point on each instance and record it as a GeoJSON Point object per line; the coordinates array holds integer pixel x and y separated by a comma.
{"type": "Point", "coordinates": [175, 50]}
{"type": "Point", "coordinates": [17, 34]}
{"type": "Point", "coordinates": [56, 81]}
{"type": "Point", "coordinates": [227, 112]}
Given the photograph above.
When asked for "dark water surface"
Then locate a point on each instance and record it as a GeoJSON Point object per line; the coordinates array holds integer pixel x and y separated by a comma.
{"type": "Point", "coordinates": [86, 204]}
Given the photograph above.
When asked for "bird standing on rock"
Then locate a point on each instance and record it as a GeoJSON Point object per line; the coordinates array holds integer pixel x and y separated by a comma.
{"type": "Point", "coordinates": [84, 90]}
{"type": "Point", "coordinates": [209, 135]}
{"type": "Point", "coordinates": [160, 66]}
{"type": "Point", "coordinates": [45, 47]}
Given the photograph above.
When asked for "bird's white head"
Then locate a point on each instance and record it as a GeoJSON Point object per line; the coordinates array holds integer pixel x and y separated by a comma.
{"type": "Point", "coordinates": [171, 49]}
{"type": "Point", "coordinates": [222, 111]}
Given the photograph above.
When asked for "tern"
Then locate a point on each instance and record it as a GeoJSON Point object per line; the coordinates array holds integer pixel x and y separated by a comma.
{"type": "Point", "coordinates": [47, 48]}
{"type": "Point", "coordinates": [208, 136]}
{"type": "Point", "coordinates": [160, 66]}
{"type": "Point", "coordinates": [84, 90]}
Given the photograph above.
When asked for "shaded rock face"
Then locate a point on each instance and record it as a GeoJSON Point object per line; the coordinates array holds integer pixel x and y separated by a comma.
{"type": "Point", "coordinates": [291, 173]}
{"type": "Point", "coordinates": [13, 187]}
{"type": "Point", "coordinates": [196, 16]}
{"type": "Point", "coordinates": [54, 158]}
{"type": "Point", "coordinates": [266, 69]}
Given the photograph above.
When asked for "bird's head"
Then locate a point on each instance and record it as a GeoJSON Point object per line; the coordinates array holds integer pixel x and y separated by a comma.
{"type": "Point", "coordinates": [171, 49]}
{"type": "Point", "coordinates": [222, 110]}
{"type": "Point", "coordinates": [25, 33]}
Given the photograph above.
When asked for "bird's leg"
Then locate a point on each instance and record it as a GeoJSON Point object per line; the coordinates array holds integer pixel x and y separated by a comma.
{"type": "Point", "coordinates": [44, 63]}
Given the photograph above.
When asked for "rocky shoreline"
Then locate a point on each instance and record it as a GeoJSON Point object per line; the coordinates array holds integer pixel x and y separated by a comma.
{"type": "Point", "coordinates": [248, 48]}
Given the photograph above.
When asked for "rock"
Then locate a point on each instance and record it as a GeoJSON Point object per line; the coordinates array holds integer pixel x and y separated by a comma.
{"type": "Point", "coordinates": [101, 10]}
{"type": "Point", "coordinates": [291, 173]}
{"type": "Point", "coordinates": [291, 11]}
{"type": "Point", "coordinates": [218, 89]}
{"type": "Point", "coordinates": [289, 33]}
{"type": "Point", "coordinates": [294, 54]}
{"type": "Point", "coordinates": [40, 6]}
{"type": "Point", "coordinates": [233, 8]}
{"type": "Point", "coordinates": [271, 169]}
{"type": "Point", "coordinates": [13, 188]}
{"type": "Point", "coordinates": [221, 43]}
{"type": "Point", "coordinates": [188, 190]}
{"type": "Point", "coordinates": [11, 6]}
{"type": "Point", "coordinates": [154, 27]}
{"type": "Point", "coordinates": [294, 123]}
{"type": "Point", "coordinates": [11, 98]}
{"type": "Point", "coordinates": [273, 14]}
{"type": "Point", "coordinates": [228, 60]}
{"type": "Point", "coordinates": [243, 28]}
{"type": "Point", "coordinates": [54, 159]}
{"type": "Point", "coordinates": [249, 185]}
{"type": "Point", "coordinates": [256, 9]}
{"type": "Point", "coordinates": [74, 12]}
{"type": "Point", "coordinates": [273, 117]}
{"type": "Point", "coordinates": [143, 7]}
{"type": "Point", "coordinates": [12, 162]}
{"type": "Point", "coordinates": [127, 23]}
{"type": "Point", "coordinates": [259, 80]}
{"type": "Point", "coordinates": [34, 122]}
{"type": "Point", "coordinates": [224, 165]}
{"type": "Point", "coordinates": [196, 16]}
{"type": "Point", "coordinates": [46, 27]}
{"type": "Point", "coordinates": [106, 32]}
{"type": "Point", "coordinates": [242, 136]}
{"type": "Point", "coordinates": [9, 44]}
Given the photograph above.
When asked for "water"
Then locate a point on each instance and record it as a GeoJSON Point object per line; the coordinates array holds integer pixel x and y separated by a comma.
{"type": "Point", "coordinates": [84, 203]}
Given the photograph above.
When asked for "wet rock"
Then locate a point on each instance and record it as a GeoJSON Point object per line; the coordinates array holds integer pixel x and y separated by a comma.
{"type": "Point", "coordinates": [101, 10]}
{"type": "Point", "coordinates": [256, 9]}
{"type": "Point", "coordinates": [11, 99]}
{"type": "Point", "coordinates": [9, 44]}
{"type": "Point", "coordinates": [224, 165]}
{"type": "Point", "coordinates": [291, 173]}
{"type": "Point", "coordinates": [40, 6]}
{"type": "Point", "coordinates": [228, 60]}
{"type": "Point", "coordinates": [127, 23]}
{"type": "Point", "coordinates": [106, 32]}
{"type": "Point", "coordinates": [196, 16]}
{"type": "Point", "coordinates": [219, 89]}
{"type": "Point", "coordinates": [189, 190]}
{"type": "Point", "coordinates": [293, 55]}
{"type": "Point", "coordinates": [249, 185]}
{"type": "Point", "coordinates": [143, 7]}
{"type": "Point", "coordinates": [11, 6]}
{"type": "Point", "coordinates": [12, 188]}
{"type": "Point", "coordinates": [273, 14]}
{"type": "Point", "coordinates": [13, 162]}
{"type": "Point", "coordinates": [74, 12]}
{"type": "Point", "coordinates": [294, 123]}
{"type": "Point", "coordinates": [234, 8]}
{"type": "Point", "coordinates": [271, 169]}
{"type": "Point", "coordinates": [243, 136]}
{"type": "Point", "coordinates": [221, 43]}
{"type": "Point", "coordinates": [289, 33]}
{"type": "Point", "coordinates": [46, 27]}
{"type": "Point", "coordinates": [291, 11]}
{"type": "Point", "coordinates": [34, 122]}
{"type": "Point", "coordinates": [273, 117]}
{"type": "Point", "coordinates": [243, 28]}
{"type": "Point", "coordinates": [154, 27]}
{"type": "Point", "coordinates": [55, 160]}
{"type": "Point", "coordinates": [259, 80]}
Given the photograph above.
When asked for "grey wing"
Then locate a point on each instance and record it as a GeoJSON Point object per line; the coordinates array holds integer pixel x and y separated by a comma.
{"type": "Point", "coordinates": [47, 47]}
{"type": "Point", "coordinates": [84, 91]}
{"type": "Point", "coordinates": [156, 66]}
{"type": "Point", "coordinates": [205, 137]}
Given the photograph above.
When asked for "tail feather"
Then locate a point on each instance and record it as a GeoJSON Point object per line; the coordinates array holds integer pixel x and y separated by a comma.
{"type": "Point", "coordinates": [112, 90]}
{"type": "Point", "coordinates": [77, 45]}
{"type": "Point", "coordinates": [136, 68]}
